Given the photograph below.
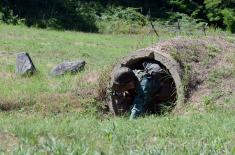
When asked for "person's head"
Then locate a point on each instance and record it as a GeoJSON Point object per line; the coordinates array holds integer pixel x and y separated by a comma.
{"type": "Point", "coordinates": [124, 79]}
{"type": "Point", "coordinates": [153, 68]}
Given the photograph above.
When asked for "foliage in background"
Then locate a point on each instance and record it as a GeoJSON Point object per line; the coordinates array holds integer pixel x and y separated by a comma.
{"type": "Point", "coordinates": [221, 13]}
{"type": "Point", "coordinates": [229, 19]}
{"type": "Point", "coordinates": [69, 14]}
{"type": "Point", "coordinates": [121, 20]}
{"type": "Point", "coordinates": [120, 15]}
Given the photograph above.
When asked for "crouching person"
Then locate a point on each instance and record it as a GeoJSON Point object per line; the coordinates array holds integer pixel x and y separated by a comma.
{"type": "Point", "coordinates": [144, 83]}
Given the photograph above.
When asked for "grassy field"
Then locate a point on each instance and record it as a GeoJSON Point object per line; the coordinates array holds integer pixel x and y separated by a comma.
{"type": "Point", "coordinates": [58, 115]}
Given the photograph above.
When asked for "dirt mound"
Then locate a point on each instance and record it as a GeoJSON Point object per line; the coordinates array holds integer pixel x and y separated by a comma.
{"type": "Point", "coordinates": [208, 64]}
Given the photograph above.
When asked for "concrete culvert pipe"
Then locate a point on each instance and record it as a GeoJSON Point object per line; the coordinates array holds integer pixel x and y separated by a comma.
{"type": "Point", "coordinates": [171, 87]}
{"type": "Point", "coordinates": [189, 65]}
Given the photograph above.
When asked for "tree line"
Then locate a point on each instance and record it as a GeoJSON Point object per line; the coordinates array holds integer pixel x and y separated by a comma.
{"type": "Point", "coordinates": [83, 14]}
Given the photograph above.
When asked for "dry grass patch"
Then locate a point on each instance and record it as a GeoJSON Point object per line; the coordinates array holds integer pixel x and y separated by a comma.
{"type": "Point", "coordinates": [8, 142]}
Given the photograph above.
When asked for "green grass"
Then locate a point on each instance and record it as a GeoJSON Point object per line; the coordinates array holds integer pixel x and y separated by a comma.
{"type": "Point", "coordinates": [58, 115]}
{"type": "Point", "coordinates": [48, 48]}
{"type": "Point", "coordinates": [211, 133]}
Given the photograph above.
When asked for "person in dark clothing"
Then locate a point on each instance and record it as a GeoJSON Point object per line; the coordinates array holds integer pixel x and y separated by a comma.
{"type": "Point", "coordinates": [144, 82]}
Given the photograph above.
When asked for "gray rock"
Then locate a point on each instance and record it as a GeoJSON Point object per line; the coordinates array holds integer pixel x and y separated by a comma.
{"type": "Point", "coordinates": [24, 64]}
{"type": "Point", "coordinates": [68, 67]}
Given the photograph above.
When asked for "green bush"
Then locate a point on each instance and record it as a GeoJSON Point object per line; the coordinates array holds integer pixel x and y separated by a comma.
{"type": "Point", "coordinates": [213, 10]}
{"type": "Point", "coordinates": [121, 20]}
{"type": "Point", "coordinates": [221, 13]}
{"type": "Point", "coordinates": [8, 17]}
{"type": "Point", "coordinates": [229, 19]}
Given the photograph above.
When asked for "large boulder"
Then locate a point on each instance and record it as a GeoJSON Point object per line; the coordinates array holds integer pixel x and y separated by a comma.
{"type": "Point", "coordinates": [68, 67]}
{"type": "Point", "coordinates": [24, 64]}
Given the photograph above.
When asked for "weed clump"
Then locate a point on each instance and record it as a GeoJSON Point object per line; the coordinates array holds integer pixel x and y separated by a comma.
{"type": "Point", "coordinates": [103, 81]}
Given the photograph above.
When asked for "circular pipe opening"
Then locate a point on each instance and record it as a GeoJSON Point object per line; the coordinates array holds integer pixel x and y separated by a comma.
{"type": "Point", "coordinates": [170, 83]}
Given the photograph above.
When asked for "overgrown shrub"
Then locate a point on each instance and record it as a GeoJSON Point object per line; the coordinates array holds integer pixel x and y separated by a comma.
{"type": "Point", "coordinates": [181, 23]}
{"type": "Point", "coordinates": [221, 13]}
{"type": "Point", "coordinates": [121, 20]}
{"type": "Point", "coordinates": [8, 17]}
{"type": "Point", "coordinates": [229, 19]}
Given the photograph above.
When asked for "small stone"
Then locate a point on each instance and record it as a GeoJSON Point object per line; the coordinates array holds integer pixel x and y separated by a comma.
{"type": "Point", "coordinates": [24, 64]}
{"type": "Point", "coordinates": [68, 67]}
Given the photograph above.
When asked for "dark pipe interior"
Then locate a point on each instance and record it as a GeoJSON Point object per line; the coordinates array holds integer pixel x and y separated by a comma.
{"type": "Point", "coordinates": [162, 101]}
